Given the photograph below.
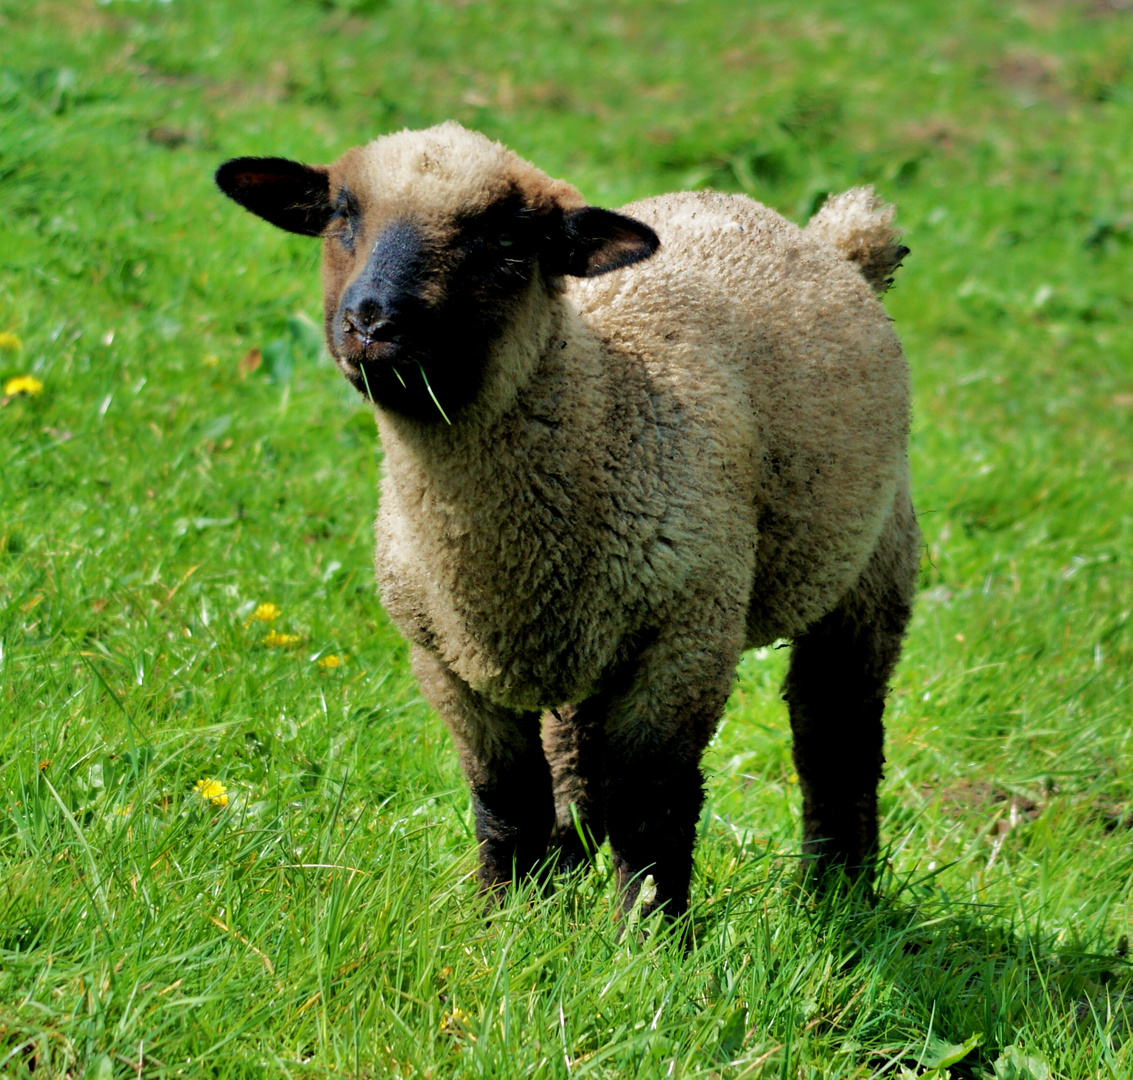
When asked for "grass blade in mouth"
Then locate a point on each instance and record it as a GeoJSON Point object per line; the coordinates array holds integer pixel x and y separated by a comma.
{"type": "Point", "coordinates": [421, 367]}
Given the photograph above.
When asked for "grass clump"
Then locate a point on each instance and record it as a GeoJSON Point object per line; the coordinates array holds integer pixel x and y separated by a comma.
{"type": "Point", "coordinates": [225, 856]}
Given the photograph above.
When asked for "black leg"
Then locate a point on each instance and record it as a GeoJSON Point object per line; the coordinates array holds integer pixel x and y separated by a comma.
{"type": "Point", "coordinates": [502, 758]}
{"type": "Point", "coordinates": [835, 689]}
{"type": "Point", "coordinates": [836, 720]}
{"type": "Point", "coordinates": [514, 810]}
{"type": "Point", "coordinates": [658, 727]}
{"type": "Point", "coordinates": [654, 806]}
{"type": "Point", "coordinates": [574, 740]}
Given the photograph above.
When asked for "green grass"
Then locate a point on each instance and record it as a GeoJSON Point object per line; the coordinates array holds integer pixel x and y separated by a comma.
{"type": "Point", "coordinates": [325, 921]}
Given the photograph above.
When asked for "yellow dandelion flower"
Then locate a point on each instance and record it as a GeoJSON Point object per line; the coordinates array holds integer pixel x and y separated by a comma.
{"type": "Point", "coordinates": [268, 612]}
{"type": "Point", "coordinates": [273, 639]}
{"type": "Point", "coordinates": [456, 1022]}
{"type": "Point", "coordinates": [23, 384]}
{"type": "Point", "coordinates": [331, 661]}
{"type": "Point", "coordinates": [10, 342]}
{"type": "Point", "coordinates": [212, 791]}
{"type": "Point", "coordinates": [124, 811]}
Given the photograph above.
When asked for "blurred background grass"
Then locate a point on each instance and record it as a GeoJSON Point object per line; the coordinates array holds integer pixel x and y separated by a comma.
{"type": "Point", "coordinates": [193, 455]}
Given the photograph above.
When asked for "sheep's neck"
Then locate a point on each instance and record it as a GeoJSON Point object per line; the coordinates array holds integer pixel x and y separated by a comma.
{"type": "Point", "coordinates": [547, 377]}
{"type": "Point", "coordinates": [523, 505]}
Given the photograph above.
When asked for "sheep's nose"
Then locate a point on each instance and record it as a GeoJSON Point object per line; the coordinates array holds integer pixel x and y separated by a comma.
{"type": "Point", "coordinates": [367, 320]}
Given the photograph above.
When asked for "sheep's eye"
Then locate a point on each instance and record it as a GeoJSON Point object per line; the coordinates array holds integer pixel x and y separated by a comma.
{"type": "Point", "coordinates": [505, 240]}
{"type": "Point", "coordinates": [346, 219]}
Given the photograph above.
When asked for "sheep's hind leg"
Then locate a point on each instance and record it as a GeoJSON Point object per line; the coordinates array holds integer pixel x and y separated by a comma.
{"type": "Point", "coordinates": [502, 758]}
{"type": "Point", "coordinates": [835, 689]}
{"type": "Point", "coordinates": [574, 740]}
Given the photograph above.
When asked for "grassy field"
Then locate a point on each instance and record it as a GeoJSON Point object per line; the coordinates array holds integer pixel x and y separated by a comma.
{"type": "Point", "coordinates": [235, 842]}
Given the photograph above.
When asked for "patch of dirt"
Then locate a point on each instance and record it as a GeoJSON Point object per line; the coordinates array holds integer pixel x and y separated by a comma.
{"type": "Point", "coordinates": [169, 137]}
{"type": "Point", "coordinates": [74, 20]}
{"type": "Point", "coordinates": [1043, 14]}
{"type": "Point", "coordinates": [1100, 9]}
{"type": "Point", "coordinates": [939, 134]}
{"type": "Point", "coordinates": [1031, 76]}
{"type": "Point", "coordinates": [979, 798]}
{"type": "Point", "coordinates": [1111, 814]}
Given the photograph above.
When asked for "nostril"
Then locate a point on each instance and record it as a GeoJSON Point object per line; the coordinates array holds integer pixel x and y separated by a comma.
{"type": "Point", "coordinates": [382, 330]}
{"type": "Point", "coordinates": [367, 312]}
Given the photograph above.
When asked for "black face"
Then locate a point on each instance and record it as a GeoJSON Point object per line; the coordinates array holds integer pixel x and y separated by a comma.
{"type": "Point", "coordinates": [414, 328]}
{"type": "Point", "coordinates": [412, 307]}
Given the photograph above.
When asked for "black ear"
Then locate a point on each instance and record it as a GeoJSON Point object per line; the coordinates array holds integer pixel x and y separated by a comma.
{"type": "Point", "coordinates": [293, 196]}
{"type": "Point", "coordinates": [594, 241]}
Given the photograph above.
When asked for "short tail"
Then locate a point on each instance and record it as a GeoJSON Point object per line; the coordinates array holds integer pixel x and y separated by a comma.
{"type": "Point", "coordinates": [859, 226]}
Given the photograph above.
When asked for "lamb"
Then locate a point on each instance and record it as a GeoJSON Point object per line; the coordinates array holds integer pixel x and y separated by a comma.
{"type": "Point", "coordinates": [620, 448]}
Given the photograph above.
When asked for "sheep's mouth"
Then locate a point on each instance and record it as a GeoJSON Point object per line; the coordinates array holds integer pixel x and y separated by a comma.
{"type": "Point", "coordinates": [387, 351]}
{"type": "Point", "coordinates": [376, 358]}
{"type": "Point", "coordinates": [378, 364]}
{"type": "Point", "coordinates": [367, 370]}
{"type": "Point", "coordinates": [409, 382]}
{"type": "Point", "coordinates": [428, 372]}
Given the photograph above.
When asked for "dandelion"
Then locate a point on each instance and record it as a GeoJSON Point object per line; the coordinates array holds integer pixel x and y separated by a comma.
{"type": "Point", "coordinates": [331, 661]}
{"type": "Point", "coordinates": [125, 811]}
{"type": "Point", "coordinates": [23, 384]}
{"type": "Point", "coordinates": [268, 612]}
{"type": "Point", "coordinates": [9, 342]}
{"type": "Point", "coordinates": [212, 791]}
{"type": "Point", "coordinates": [275, 640]}
{"type": "Point", "coordinates": [457, 1022]}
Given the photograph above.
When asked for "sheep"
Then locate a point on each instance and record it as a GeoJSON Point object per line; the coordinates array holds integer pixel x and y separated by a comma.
{"type": "Point", "coordinates": [619, 449]}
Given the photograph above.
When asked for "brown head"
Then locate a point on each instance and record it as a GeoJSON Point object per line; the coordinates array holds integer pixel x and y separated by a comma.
{"type": "Point", "coordinates": [432, 243]}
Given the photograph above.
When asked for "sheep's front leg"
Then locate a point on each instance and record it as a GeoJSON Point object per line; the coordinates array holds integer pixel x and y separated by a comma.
{"type": "Point", "coordinates": [574, 739]}
{"type": "Point", "coordinates": [656, 734]}
{"type": "Point", "coordinates": [502, 758]}
{"type": "Point", "coordinates": [836, 688]}
{"type": "Point", "coordinates": [653, 801]}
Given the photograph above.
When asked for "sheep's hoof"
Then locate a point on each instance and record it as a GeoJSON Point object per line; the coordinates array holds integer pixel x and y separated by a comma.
{"type": "Point", "coordinates": [825, 874]}
{"type": "Point", "coordinates": [573, 850]}
{"type": "Point", "coordinates": [642, 916]}
{"type": "Point", "coordinates": [535, 883]}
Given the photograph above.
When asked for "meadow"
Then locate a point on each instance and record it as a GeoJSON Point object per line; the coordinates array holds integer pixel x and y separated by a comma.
{"type": "Point", "coordinates": [235, 841]}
